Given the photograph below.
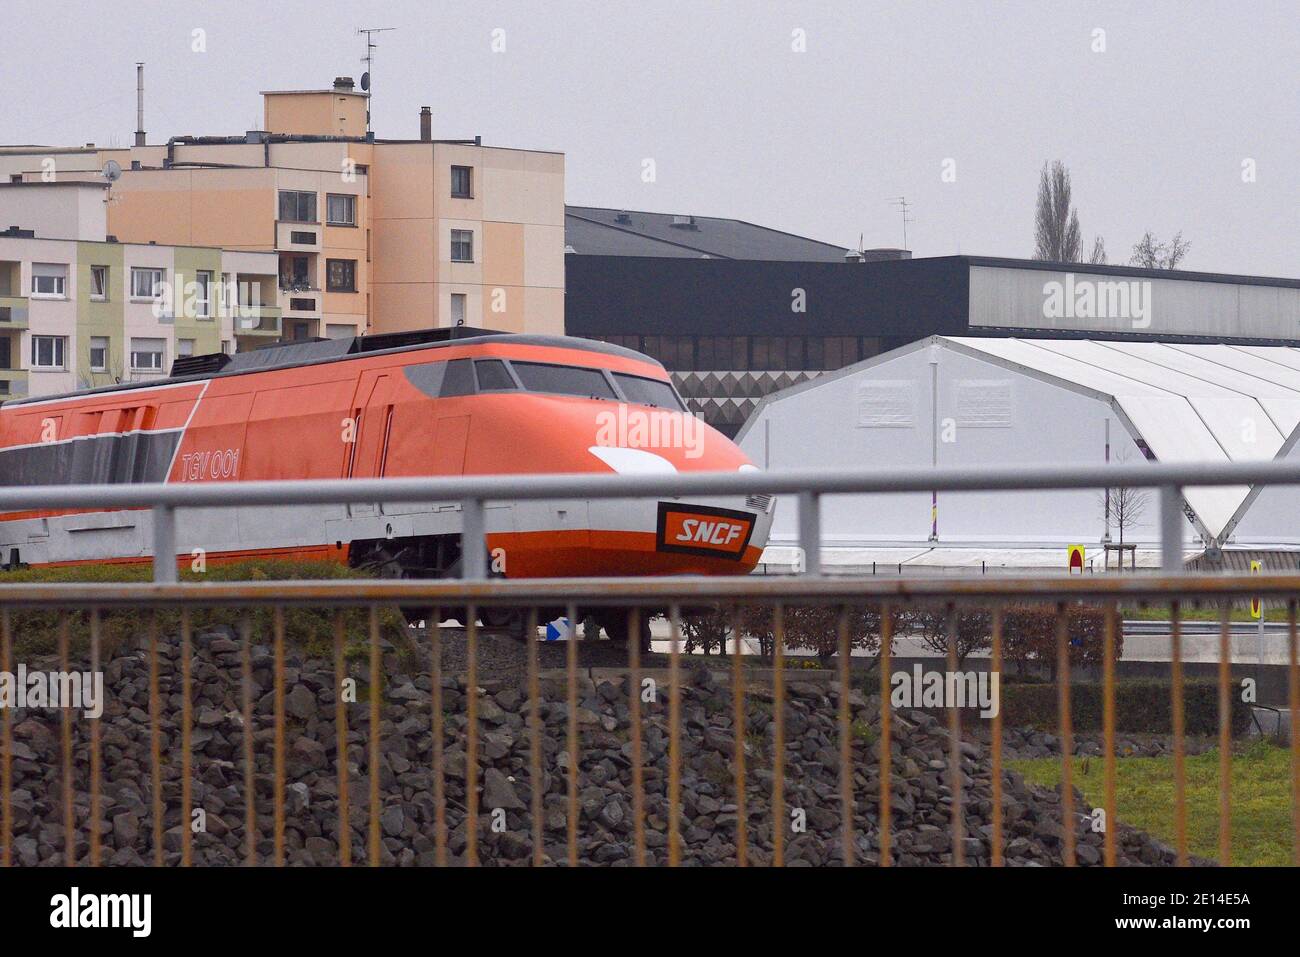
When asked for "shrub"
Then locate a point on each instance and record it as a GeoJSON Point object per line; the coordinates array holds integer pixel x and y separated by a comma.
{"type": "Point", "coordinates": [1141, 707]}
{"type": "Point", "coordinates": [1029, 634]}
{"type": "Point", "coordinates": [974, 630]}
{"type": "Point", "coordinates": [813, 627]}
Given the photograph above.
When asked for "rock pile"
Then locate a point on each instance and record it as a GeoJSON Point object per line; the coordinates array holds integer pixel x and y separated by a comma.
{"type": "Point", "coordinates": [920, 800]}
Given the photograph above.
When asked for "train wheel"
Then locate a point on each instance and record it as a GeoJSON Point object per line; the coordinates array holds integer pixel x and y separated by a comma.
{"type": "Point", "coordinates": [615, 623]}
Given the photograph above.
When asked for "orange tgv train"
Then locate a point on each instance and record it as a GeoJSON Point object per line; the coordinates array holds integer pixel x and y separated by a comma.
{"type": "Point", "coordinates": [442, 402]}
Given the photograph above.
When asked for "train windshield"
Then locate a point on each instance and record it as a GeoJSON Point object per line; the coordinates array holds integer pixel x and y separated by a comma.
{"type": "Point", "coordinates": [563, 380]}
{"type": "Point", "coordinates": [653, 392]}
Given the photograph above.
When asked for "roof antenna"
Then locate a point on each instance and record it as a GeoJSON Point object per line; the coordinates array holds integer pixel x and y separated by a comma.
{"type": "Point", "coordinates": [903, 206]}
{"type": "Point", "coordinates": [369, 60]}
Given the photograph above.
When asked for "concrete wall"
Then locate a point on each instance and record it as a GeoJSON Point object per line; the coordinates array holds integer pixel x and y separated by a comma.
{"type": "Point", "coordinates": [54, 210]}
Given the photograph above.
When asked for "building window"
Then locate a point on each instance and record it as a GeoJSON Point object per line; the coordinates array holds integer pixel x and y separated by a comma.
{"type": "Point", "coordinates": [99, 353]}
{"type": "Point", "coordinates": [203, 294]}
{"type": "Point", "coordinates": [49, 280]}
{"type": "Point", "coordinates": [6, 357]}
{"type": "Point", "coordinates": [49, 352]}
{"type": "Point", "coordinates": [147, 355]}
{"type": "Point", "coordinates": [341, 275]}
{"type": "Point", "coordinates": [184, 348]}
{"type": "Point", "coordinates": [99, 283]}
{"type": "Point", "coordinates": [297, 206]}
{"type": "Point", "coordinates": [458, 309]}
{"type": "Point", "coordinates": [146, 283]}
{"type": "Point", "coordinates": [341, 209]}
{"type": "Point", "coordinates": [227, 347]}
{"type": "Point", "coordinates": [462, 245]}
{"type": "Point", "coordinates": [462, 180]}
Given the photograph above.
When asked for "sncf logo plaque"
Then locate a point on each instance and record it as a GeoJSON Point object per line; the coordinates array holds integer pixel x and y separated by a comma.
{"type": "Point", "coordinates": [703, 530]}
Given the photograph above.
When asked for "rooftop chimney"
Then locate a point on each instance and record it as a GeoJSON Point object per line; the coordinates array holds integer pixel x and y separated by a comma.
{"type": "Point", "coordinates": [343, 83]}
{"type": "Point", "coordinates": [426, 124]}
{"type": "Point", "coordinates": [139, 104]}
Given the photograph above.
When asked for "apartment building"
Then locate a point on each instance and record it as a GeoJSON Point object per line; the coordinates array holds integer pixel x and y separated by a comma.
{"type": "Point", "coordinates": [79, 309]}
{"type": "Point", "coordinates": [370, 235]}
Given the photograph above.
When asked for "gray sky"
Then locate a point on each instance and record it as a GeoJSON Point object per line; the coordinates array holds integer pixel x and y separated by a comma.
{"type": "Point", "coordinates": [1155, 129]}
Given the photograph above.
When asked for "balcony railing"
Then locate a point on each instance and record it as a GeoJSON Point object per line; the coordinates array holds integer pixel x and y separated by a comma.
{"type": "Point", "coordinates": [13, 312]}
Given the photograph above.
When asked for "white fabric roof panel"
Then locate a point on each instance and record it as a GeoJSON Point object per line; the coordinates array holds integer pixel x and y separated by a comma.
{"type": "Point", "coordinates": [1189, 403]}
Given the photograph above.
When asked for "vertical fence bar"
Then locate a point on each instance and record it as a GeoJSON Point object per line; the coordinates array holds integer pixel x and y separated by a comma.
{"type": "Point", "coordinates": [996, 740]}
{"type": "Point", "coordinates": [1180, 750]}
{"type": "Point", "coordinates": [250, 767]}
{"type": "Point", "coordinates": [164, 544]}
{"type": "Point", "coordinates": [471, 735]}
{"type": "Point", "coordinates": [738, 723]}
{"type": "Point", "coordinates": [65, 736]}
{"type": "Point", "coordinates": [674, 737]}
{"type": "Point", "coordinates": [778, 736]}
{"type": "Point", "coordinates": [439, 770]}
{"type": "Point", "coordinates": [1067, 734]}
{"type": "Point", "coordinates": [6, 751]}
{"type": "Point", "coordinates": [96, 768]}
{"type": "Point", "coordinates": [1171, 529]}
{"type": "Point", "coordinates": [846, 743]}
{"type": "Point", "coordinates": [1110, 843]}
{"type": "Point", "coordinates": [279, 757]}
{"type": "Point", "coordinates": [1225, 735]}
{"type": "Point", "coordinates": [473, 545]}
{"type": "Point", "coordinates": [155, 742]}
{"type": "Point", "coordinates": [187, 739]}
{"type": "Point", "coordinates": [1293, 700]}
{"type": "Point", "coordinates": [810, 532]}
{"type": "Point", "coordinates": [571, 706]}
{"type": "Point", "coordinates": [634, 718]}
{"type": "Point", "coordinates": [376, 717]}
{"type": "Point", "coordinates": [341, 742]}
{"type": "Point", "coordinates": [535, 741]}
{"type": "Point", "coordinates": [886, 736]}
{"type": "Point", "coordinates": [958, 823]}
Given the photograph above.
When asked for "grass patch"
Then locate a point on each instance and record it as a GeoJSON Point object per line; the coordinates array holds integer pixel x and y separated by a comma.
{"type": "Point", "coordinates": [1144, 798]}
{"type": "Point", "coordinates": [308, 628]}
{"type": "Point", "coordinates": [1186, 613]}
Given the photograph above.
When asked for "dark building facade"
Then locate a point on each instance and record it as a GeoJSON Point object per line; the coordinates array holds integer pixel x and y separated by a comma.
{"type": "Point", "coordinates": [737, 312]}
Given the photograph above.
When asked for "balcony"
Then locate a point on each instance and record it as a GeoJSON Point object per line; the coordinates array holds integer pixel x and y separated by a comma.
{"type": "Point", "coordinates": [257, 321]}
{"type": "Point", "coordinates": [300, 301]}
{"type": "Point", "coordinates": [13, 383]}
{"type": "Point", "coordinates": [13, 312]}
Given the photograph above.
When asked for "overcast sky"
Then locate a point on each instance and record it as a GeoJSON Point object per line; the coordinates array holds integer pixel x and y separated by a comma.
{"type": "Point", "coordinates": [1155, 128]}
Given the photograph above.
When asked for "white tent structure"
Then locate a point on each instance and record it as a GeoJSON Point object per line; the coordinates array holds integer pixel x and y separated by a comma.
{"type": "Point", "coordinates": [968, 401]}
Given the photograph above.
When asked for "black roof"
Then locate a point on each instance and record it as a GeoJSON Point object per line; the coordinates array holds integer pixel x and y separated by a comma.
{"type": "Point", "coordinates": [320, 351]}
{"type": "Point", "coordinates": [596, 230]}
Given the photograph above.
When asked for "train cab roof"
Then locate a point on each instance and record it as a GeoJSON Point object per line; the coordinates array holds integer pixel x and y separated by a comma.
{"type": "Point", "coordinates": [313, 351]}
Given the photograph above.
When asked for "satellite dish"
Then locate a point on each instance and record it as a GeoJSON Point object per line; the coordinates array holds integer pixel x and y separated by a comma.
{"type": "Point", "coordinates": [365, 80]}
{"type": "Point", "coordinates": [112, 171]}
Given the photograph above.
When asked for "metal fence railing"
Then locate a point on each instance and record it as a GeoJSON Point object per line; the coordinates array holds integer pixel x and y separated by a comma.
{"type": "Point", "coordinates": [867, 830]}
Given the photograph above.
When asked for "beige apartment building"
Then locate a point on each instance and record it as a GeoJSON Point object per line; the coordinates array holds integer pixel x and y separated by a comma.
{"type": "Point", "coordinates": [370, 235]}
{"type": "Point", "coordinates": [79, 309]}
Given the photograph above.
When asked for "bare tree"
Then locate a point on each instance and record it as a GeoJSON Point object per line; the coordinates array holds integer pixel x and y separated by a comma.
{"type": "Point", "coordinates": [1098, 257]}
{"type": "Point", "coordinates": [1056, 224]}
{"type": "Point", "coordinates": [1150, 253]}
{"type": "Point", "coordinates": [1124, 507]}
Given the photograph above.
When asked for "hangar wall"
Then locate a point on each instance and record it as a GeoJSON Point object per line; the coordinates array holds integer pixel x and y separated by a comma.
{"type": "Point", "coordinates": [880, 413]}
